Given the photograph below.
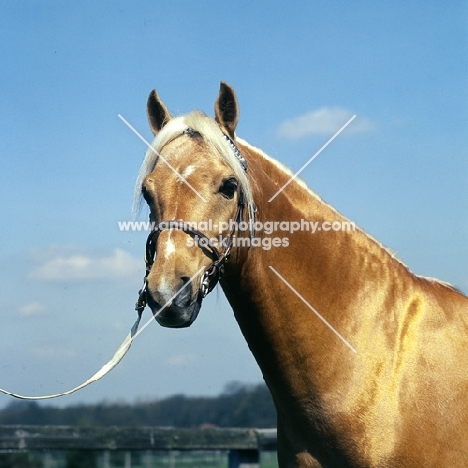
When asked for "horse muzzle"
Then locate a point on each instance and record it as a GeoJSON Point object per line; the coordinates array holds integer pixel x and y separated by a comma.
{"type": "Point", "coordinates": [176, 317]}
{"type": "Point", "coordinates": [178, 312]}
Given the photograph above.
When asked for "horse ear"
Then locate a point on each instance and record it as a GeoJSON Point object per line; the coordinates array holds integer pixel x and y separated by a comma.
{"type": "Point", "coordinates": [226, 109]}
{"type": "Point", "coordinates": [158, 115]}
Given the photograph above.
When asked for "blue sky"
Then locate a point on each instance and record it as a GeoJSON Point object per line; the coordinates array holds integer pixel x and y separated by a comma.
{"type": "Point", "coordinates": [68, 164]}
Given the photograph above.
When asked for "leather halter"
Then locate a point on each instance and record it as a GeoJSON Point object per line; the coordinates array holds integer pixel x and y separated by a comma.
{"type": "Point", "coordinates": [215, 269]}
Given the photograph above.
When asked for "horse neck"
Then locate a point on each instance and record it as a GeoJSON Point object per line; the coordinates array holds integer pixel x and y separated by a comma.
{"type": "Point", "coordinates": [325, 247]}
{"type": "Point", "coordinates": [327, 269]}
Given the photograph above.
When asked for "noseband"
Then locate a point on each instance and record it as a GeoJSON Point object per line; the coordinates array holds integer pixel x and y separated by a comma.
{"type": "Point", "coordinates": [215, 269]}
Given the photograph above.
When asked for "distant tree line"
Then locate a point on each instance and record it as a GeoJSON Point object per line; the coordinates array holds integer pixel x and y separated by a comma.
{"type": "Point", "coordinates": [238, 406]}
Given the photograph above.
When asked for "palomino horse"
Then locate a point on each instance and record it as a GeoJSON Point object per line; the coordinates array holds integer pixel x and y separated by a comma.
{"type": "Point", "coordinates": [393, 391]}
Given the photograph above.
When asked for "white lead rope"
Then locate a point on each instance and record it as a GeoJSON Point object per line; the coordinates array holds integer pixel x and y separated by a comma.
{"type": "Point", "coordinates": [122, 349]}
{"type": "Point", "coordinates": [105, 369]}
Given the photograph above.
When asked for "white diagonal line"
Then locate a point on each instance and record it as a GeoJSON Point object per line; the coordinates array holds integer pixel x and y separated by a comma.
{"type": "Point", "coordinates": [312, 309]}
{"type": "Point", "coordinates": [312, 158]}
{"type": "Point", "coordinates": [175, 171]}
{"type": "Point", "coordinates": [167, 303]}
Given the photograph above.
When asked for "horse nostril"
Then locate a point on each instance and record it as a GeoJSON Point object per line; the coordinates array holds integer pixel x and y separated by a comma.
{"type": "Point", "coordinates": [184, 294]}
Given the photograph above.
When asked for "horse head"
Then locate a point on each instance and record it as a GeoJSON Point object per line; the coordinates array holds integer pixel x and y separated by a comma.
{"type": "Point", "coordinates": [194, 182]}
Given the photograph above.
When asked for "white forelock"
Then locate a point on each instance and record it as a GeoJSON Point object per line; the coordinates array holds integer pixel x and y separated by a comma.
{"type": "Point", "coordinates": [212, 134]}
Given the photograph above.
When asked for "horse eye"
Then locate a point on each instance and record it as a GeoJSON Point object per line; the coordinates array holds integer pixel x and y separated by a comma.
{"type": "Point", "coordinates": [228, 188]}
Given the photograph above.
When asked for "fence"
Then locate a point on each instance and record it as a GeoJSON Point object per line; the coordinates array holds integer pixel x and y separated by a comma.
{"type": "Point", "coordinates": [242, 445]}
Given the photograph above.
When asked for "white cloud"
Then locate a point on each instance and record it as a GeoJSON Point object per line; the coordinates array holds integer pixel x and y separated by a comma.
{"type": "Point", "coordinates": [84, 266]}
{"type": "Point", "coordinates": [31, 308]}
{"type": "Point", "coordinates": [180, 359]}
{"type": "Point", "coordinates": [324, 121]}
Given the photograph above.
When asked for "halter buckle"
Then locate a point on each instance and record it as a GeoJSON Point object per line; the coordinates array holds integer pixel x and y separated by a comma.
{"type": "Point", "coordinates": [141, 301]}
{"type": "Point", "coordinates": [205, 285]}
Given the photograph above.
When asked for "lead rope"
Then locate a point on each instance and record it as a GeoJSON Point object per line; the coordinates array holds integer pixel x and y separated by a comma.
{"type": "Point", "coordinates": [104, 370]}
